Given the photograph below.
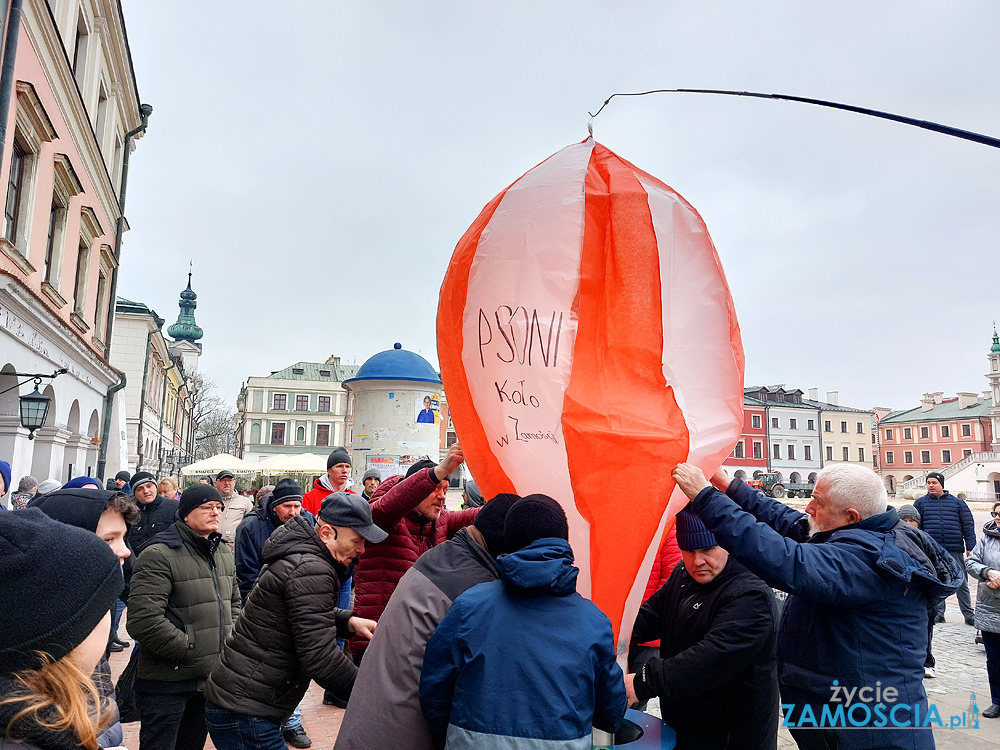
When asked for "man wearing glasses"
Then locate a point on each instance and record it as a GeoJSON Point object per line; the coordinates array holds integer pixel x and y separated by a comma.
{"type": "Point", "coordinates": [234, 506]}
{"type": "Point", "coordinates": [182, 605]}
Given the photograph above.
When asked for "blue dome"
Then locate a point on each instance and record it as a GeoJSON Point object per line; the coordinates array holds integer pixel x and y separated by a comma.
{"type": "Point", "coordinates": [397, 364]}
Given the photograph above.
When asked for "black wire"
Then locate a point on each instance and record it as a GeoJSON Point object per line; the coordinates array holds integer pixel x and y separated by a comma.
{"type": "Point", "coordinates": [925, 124]}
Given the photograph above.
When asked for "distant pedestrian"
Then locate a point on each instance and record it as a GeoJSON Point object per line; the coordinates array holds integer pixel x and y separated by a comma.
{"type": "Point", "coordinates": [52, 643]}
{"type": "Point", "coordinates": [47, 485]}
{"type": "Point", "coordinates": [948, 521]}
{"type": "Point", "coordinates": [82, 482]}
{"type": "Point", "coordinates": [471, 496]}
{"type": "Point", "coordinates": [157, 512]}
{"type": "Point", "coordinates": [336, 479]}
{"type": "Point", "coordinates": [205, 480]}
{"type": "Point", "coordinates": [122, 482]}
{"type": "Point", "coordinates": [984, 565]}
{"type": "Point", "coordinates": [167, 487]}
{"type": "Point", "coordinates": [524, 661]}
{"type": "Point", "coordinates": [235, 506]}
{"type": "Point", "coordinates": [27, 488]}
{"type": "Point", "coordinates": [370, 481]}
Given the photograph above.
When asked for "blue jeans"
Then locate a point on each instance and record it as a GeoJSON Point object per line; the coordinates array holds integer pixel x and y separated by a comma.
{"type": "Point", "coordinates": [344, 602]}
{"type": "Point", "coordinates": [295, 720]}
{"type": "Point", "coordinates": [991, 642]}
{"type": "Point", "coordinates": [232, 731]}
{"type": "Point", "coordinates": [116, 617]}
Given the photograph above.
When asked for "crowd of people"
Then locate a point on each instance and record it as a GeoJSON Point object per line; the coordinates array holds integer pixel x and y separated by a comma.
{"type": "Point", "coordinates": [459, 629]}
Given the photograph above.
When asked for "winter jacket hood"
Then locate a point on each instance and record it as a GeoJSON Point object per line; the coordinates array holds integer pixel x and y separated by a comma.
{"type": "Point", "coordinates": [543, 567]}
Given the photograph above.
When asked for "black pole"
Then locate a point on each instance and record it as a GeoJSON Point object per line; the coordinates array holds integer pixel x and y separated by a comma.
{"type": "Point", "coordinates": [7, 74]}
{"type": "Point", "coordinates": [967, 135]}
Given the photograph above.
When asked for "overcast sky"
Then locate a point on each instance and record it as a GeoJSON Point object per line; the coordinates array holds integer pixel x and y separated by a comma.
{"type": "Point", "coordinates": [318, 161]}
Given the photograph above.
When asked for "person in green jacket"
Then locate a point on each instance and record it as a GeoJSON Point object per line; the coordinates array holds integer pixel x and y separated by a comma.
{"type": "Point", "coordinates": [182, 605]}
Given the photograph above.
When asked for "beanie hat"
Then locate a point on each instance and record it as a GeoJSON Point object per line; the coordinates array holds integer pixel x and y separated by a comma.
{"type": "Point", "coordinates": [286, 490]}
{"type": "Point", "coordinates": [48, 485]}
{"type": "Point", "coordinates": [78, 482]}
{"type": "Point", "coordinates": [424, 463]}
{"type": "Point", "coordinates": [338, 456]}
{"type": "Point", "coordinates": [141, 477]}
{"type": "Point", "coordinates": [124, 476]}
{"type": "Point", "coordinates": [195, 495]}
{"type": "Point", "coordinates": [76, 573]}
{"type": "Point", "coordinates": [692, 534]}
{"type": "Point", "coordinates": [351, 511]}
{"type": "Point", "coordinates": [938, 476]}
{"type": "Point", "coordinates": [533, 518]}
{"type": "Point", "coordinates": [909, 512]}
{"type": "Point", "coordinates": [77, 507]}
{"type": "Point", "coordinates": [27, 483]}
{"type": "Point", "coordinates": [5, 473]}
{"type": "Point", "coordinates": [371, 474]}
{"type": "Point", "coordinates": [489, 521]}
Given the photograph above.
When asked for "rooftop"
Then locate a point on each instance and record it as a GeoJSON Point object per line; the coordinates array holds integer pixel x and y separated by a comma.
{"type": "Point", "coordinates": [945, 411]}
{"type": "Point", "coordinates": [323, 371]}
{"type": "Point", "coordinates": [397, 364]}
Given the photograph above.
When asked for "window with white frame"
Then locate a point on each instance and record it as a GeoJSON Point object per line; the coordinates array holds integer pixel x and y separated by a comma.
{"type": "Point", "coordinates": [80, 47]}
{"type": "Point", "coordinates": [888, 433]}
{"type": "Point", "coordinates": [755, 421]}
{"type": "Point", "coordinates": [846, 451]}
{"type": "Point", "coordinates": [925, 457]}
{"type": "Point", "coordinates": [966, 430]}
{"type": "Point", "coordinates": [758, 449]}
{"type": "Point", "coordinates": [843, 426]}
{"type": "Point", "coordinates": [946, 456]}
{"type": "Point", "coordinates": [925, 432]}
{"type": "Point", "coordinates": [966, 453]}
{"type": "Point", "coordinates": [945, 431]}
{"type": "Point", "coordinates": [811, 424]}
{"type": "Point", "coordinates": [65, 185]}
{"type": "Point", "coordinates": [860, 426]}
{"type": "Point", "coordinates": [776, 450]}
{"type": "Point", "coordinates": [791, 452]}
{"type": "Point", "coordinates": [827, 426]}
{"type": "Point", "coordinates": [829, 453]}
{"type": "Point", "coordinates": [889, 457]}
{"type": "Point", "coordinates": [774, 423]}
{"type": "Point", "coordinates": [793, 423]}
{"type": "Point", "coordinates": [107, 265]}
{"type": "Point", "coordinates": [32, 128]}
{"type": "Point", "coordinates": [807, 452]}
{"type": "Point", "coordinates": [861, 453]}
{"type": "Point", "coordinates": [738, 450]}
{"type": "Point", "coordinates": [907, 433]}
{"type": "Point", "coordinates": [90, 230]}
{"type": "Point", "coordinates": [907, 457]}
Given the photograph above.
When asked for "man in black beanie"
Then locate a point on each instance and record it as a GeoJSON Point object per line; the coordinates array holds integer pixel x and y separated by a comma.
{"type": "Point", "coordinates": [122, 479]}
{"type": "Point", "coordinates": [338, 472]}
{"type": "Point", "coordinates": [182, 605]}
{"type": "Point", "coordinates": [716, 674]}
{"type": "Point", "coordinates": [948, 521]}
{"type": "Point", "coordinates": [488, 668]}
{"type": "Point", "coordinates": [385, 704]}
{"type": "Point", "coordinates": [158, 513]}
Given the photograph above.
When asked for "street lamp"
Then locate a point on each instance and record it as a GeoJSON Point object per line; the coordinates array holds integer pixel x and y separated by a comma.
{"type": "Point", "coordinates": [34, 410]}
{"type": "Point", "coordinates": [34, 406]}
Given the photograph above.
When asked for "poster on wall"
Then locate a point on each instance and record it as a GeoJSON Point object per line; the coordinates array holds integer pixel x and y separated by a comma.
{"type": "Point", "coordinates": [427, 408]}
{"type": "Point", "coordinates": [388, 466]}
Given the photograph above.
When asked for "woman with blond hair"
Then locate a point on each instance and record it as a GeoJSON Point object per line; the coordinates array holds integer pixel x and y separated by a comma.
{"type": "Point", "coordinates": [51, 643]}
{"type": "Point", "coordinates": [167, 487]}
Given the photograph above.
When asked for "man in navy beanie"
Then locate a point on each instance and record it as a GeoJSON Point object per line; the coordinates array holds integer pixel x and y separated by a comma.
{"type": "Point", "coordinates": [717, 625]}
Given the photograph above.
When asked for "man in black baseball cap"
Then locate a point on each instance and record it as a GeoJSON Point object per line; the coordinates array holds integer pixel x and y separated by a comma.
{"type": "Point", "coordinates": [234, 506]}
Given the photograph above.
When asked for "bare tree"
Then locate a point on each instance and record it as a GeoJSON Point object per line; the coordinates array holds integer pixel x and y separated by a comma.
{"type": "Point", "coordinates": [214, 419]}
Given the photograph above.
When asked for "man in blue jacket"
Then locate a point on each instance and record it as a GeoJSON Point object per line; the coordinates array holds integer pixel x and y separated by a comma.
{"type": "Point", "coordinates": [948, 521]}
{"type": "Point", "coordinates": [853, 634]}
{"type": "Point", "coordinates": [526, 657]}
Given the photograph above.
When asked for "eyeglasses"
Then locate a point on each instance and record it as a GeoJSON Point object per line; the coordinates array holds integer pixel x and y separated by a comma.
{"type": "Point", "coordinates": [211, 507]}
{"type": "Point", "coordinates": [995, 513]}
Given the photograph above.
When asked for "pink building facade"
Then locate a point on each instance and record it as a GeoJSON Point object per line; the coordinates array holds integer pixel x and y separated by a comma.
{"type": "Point", "coordinates": [73, 101]}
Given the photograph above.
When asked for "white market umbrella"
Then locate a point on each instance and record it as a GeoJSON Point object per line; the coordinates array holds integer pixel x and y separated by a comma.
{"type": "Point", "coordinates": [298, 463]}
{"type": "Point", "coordinates": [218, 462]}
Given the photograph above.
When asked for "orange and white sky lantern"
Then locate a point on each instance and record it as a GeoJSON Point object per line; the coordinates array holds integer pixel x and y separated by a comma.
{"type": "Point", "coordinates": [588, 343]}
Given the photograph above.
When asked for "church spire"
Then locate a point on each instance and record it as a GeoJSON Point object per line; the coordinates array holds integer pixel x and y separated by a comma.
{"type": "Point", "coordinates": [186, 329]}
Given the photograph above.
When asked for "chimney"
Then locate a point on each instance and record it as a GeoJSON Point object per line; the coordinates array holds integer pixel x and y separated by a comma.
{"type": "Point", "coordinates": [927, 402]}
{"type": "Point", "coordinates": [965, 400]}
{"type": "Point", "coordinates": [939, 397]}
{"type": "Point", "coordinates": [987, 395]}
{"type": "Point", "coordinates": [814, 394]}
{"type": "Point", "coordinates": [833, 397]}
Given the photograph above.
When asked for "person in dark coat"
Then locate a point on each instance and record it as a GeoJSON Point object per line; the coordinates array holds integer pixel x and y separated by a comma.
{"type": "Point", "coordinates": [158, 512]}
{"type": "Point", "coordinates": [108, 515]}
{"type": "Point", "coordinates": [948, 521]}
{"type": "Point", "coordinates": [284, 637]}
{"type": "Point", "coordinates": [716, 675]}
{"type": "Point", "coordinates": [859, 582]}
{"type": "Point", "coordinates": [282, 503]}
{"type": "Point", "coordinates": [524, 661]}
{"type": "Point", "coordinates": [385, 704]}
{"type": "Point", "coordinates": [182, 605]}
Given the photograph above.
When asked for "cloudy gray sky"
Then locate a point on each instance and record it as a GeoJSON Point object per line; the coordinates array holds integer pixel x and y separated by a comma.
{"type": "Point", "coordinates": [318, 161]}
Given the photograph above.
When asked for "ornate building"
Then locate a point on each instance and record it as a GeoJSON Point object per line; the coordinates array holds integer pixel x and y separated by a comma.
{"type": "Point", "coordinates": [71, 120]}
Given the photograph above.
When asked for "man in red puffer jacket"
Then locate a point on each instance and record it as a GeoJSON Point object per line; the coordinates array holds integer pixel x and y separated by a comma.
{"type": "Point", "coordinates": [412, 511]}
